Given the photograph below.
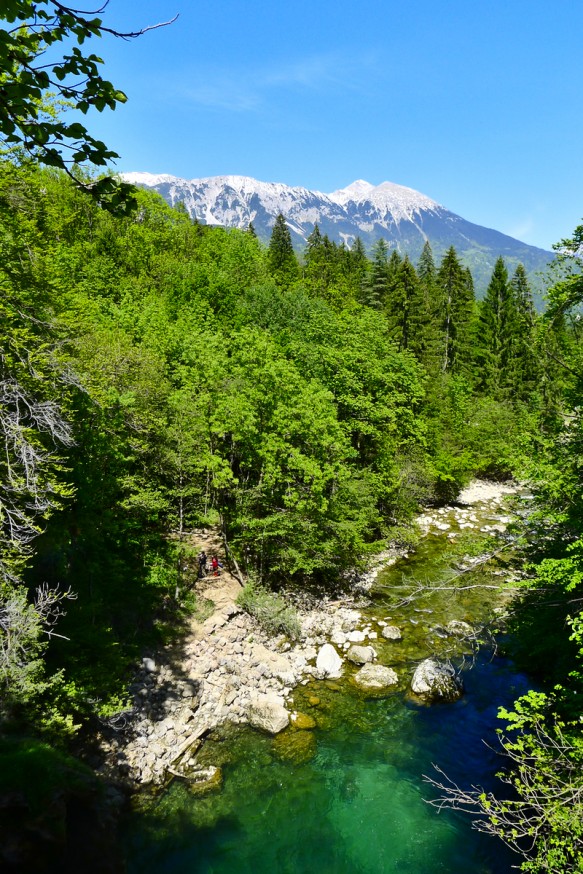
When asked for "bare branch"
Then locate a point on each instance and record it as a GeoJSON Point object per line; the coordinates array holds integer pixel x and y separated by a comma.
{"type": "Point", "coordinates": [543, 772]}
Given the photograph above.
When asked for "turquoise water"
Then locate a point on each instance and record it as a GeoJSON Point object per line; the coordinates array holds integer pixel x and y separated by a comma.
{"type": "Point", "coordinates": [347, 797]}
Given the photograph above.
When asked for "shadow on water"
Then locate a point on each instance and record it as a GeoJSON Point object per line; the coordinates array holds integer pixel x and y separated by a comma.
{"type": "Point", "coordinates": [347, 797]}
{"type": "Point", "coordinates": [356, 807]}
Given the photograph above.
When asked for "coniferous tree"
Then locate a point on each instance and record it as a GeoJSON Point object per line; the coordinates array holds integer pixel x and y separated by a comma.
{"type": "Point", "coordinates": [394, 264]}
{"type": "Point", "coordinates": [426, 270]}
{"type": "Point", "coordinates": [405, 309]}
{"type": "Point", "coordinates": [323, 261]}
{"type": "Point", "coordinates": [357, 257]}
{"type": "Point", "coordinates": [496, 332]}
{"type": "Point", "coordinates": [374, 286]}
{"type": "Point", "coordinates": [525, 365]}
{"type": "Point", "coordinates": [427, 273]}
{"type": "Point", "coordinates": [455, 311]}
{"type": "Point", "coordinates": [281, 257]}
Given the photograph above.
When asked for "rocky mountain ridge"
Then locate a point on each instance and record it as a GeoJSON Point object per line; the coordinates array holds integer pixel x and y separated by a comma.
{"type": "Point", "coordinates": [405, 218]}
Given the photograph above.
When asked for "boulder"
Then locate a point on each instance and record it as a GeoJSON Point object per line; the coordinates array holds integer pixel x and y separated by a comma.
{"type": "Point", "coordinates": [436, 681]}
{"type": "Point", "coordinates": [296, 747]}
{"type": "Point", "coordinates": [203, 780]}
{"type": "Point", "coordinates": [329, 663]}
{"type": "Point", "coordinates": [361, 655]}
{"type": "Point", "coordinates": [391, 632]}
{"type": "Point", "coordinates": [268, 713]}
{"type": "Point", "coordinates": [457, 628]}
{"type": "Point", "coordinates": [376, 677]}
{"type": "Point", "coordinates": [356, 636]}
{"type": "Point", "coordinates": [303, 721]}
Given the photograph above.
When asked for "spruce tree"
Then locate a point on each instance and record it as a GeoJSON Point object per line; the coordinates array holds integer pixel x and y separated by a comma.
{"type": "Point", "coordinates": [358, 260]}
{"type": "Point", "coordinates": [354, 266]}
{"type": "Point", "coordinates": [405, 309]}
{"type": "Point", "coordinates": [321, 262]}
{"type": "Point", "coordinates": [432, 334]}
{"type": "Point", "coordinates": [394, 265]}
{"type": "Point", "coordinates": [280, 254]}
{"type": "Point", "coordinates": [379, 280]}
{"type": "Point", "coordinates": [426, 270]}
{"type": "Point", "coordinates": [455, 310]}
{"type": "Point", "coordinates": [525, 365]}
{"type": "Point", "coordinates": [496, 332]}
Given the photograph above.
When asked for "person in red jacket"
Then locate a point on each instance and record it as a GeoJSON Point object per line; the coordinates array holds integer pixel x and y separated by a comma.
{"type": "Point", "coordinates": [215, 566]}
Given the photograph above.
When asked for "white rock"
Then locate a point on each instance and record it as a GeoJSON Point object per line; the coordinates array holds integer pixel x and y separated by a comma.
{"type": "Point", "coordinates": [356, 636]}
{"type": "Point", "coordinates": [391, 632]}
{"type": "Point", "coordinates": [329, 662]}
{"type": "Point", "coordinates": [376, 677]}
{"type": "Point", "coordinates": [361, 655]}
{"type": "Point", "coordinates": [459, 629]}
{"type": "Point", "coordinates": [436, 681]}
{"type": "Point", "coordinates": [268, 713]}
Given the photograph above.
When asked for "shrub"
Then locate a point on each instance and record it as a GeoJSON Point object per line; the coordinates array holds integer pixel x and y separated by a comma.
{"type": "Point", "coordinates": [272, 611]}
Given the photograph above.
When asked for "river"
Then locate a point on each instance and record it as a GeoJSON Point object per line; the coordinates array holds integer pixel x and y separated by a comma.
{"type": "Point", "coordinates": [349, 796]}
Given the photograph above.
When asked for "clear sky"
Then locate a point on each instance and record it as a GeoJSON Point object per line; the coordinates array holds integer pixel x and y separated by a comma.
{"type": "Point", "coordinates": [476, 103]}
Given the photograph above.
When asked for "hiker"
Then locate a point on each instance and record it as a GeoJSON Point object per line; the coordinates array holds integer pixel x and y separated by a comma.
{"type": "Point", "coordinates": [215, 566]}
{"type": "Point", "coordinates": [202, 559]}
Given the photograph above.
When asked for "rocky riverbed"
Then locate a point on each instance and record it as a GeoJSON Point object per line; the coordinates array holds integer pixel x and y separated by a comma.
{"type": "Point", "coordinates": [228, 669]}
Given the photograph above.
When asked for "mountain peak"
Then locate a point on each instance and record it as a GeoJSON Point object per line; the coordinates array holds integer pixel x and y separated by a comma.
{"type": "Point", "coordinates": [387, 198]}
{"type": "Point", "coordinates": [405, 218]}
{"type": "Point", "coordinates": [357, 190]}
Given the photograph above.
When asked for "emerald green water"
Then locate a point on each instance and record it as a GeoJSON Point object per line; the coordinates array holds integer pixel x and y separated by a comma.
{"type": "Point", "coordinates": [348, 797]}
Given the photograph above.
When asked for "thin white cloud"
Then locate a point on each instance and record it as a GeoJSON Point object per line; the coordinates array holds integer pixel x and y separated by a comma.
{"type": "Point", "coordinates": [252, 90]}
{"type": "Point", "coordinates": [225, 95]}
{"type": "Point", "coordinates": [522, 229]}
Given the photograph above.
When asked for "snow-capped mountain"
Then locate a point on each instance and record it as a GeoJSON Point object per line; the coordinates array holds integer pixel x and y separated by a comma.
{"type": "Point", "coordinates": [403, 217]}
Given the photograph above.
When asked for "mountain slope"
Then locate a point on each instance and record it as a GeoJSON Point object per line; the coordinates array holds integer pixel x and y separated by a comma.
{"type": "Point", "coordinates": [403, 217]}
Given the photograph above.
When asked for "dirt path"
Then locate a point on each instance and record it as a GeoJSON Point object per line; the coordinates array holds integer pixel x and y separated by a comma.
{"type": "Point", "coordinates": [221, 590]}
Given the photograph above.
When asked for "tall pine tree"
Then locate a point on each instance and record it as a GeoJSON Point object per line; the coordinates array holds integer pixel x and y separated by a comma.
{"type": "Point", "coordinates": [496, 332]}
{"type": "Point", "coordinates": [525, 365]}
{"type": "Point", "coordinates": [405, 309]}
{"type": "Point", "coordinates": [454, 311]}
{"type": "Point", "coordinates": [280, 254]}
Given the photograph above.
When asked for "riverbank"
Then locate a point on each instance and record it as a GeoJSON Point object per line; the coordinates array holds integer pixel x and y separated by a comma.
{"type": "Point", "coordinates": [228, 670]}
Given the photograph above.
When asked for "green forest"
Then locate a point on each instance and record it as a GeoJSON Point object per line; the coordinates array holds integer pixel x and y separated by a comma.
{"type": "Point", "coordinates": [158, 375]}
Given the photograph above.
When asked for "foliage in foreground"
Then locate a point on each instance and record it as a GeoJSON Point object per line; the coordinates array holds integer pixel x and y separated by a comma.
{"type": "Point", "coordinates": [539, 813]}
{"type": "Point", "coordinates": [539, 810]}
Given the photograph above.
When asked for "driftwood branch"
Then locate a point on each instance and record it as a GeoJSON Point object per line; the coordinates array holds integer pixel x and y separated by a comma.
{"type": "Point", "coordinates": [543, 774]}
{"type": "Point", "coordinates": [422, 589]}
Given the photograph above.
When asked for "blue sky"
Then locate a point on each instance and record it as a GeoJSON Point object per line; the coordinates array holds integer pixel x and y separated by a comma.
{"type": "Point", "coordinates": [477, 104]}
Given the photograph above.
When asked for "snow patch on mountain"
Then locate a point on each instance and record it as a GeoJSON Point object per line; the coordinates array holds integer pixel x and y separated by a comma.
{"type": "Point", "coordinates": [385, 201]}
{"type": "Point", "coordinates": [405, 218]}
{"type": "Point", "coordinates": [356, 191]}
{"type": "Point", "coordinates": [237, 200]}
{"type": "Point", "coordinates": [149, 179]}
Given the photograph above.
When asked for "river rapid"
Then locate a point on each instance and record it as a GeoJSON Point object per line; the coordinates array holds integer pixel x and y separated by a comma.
{"type": "Point", "coordinates": [347, 795]}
